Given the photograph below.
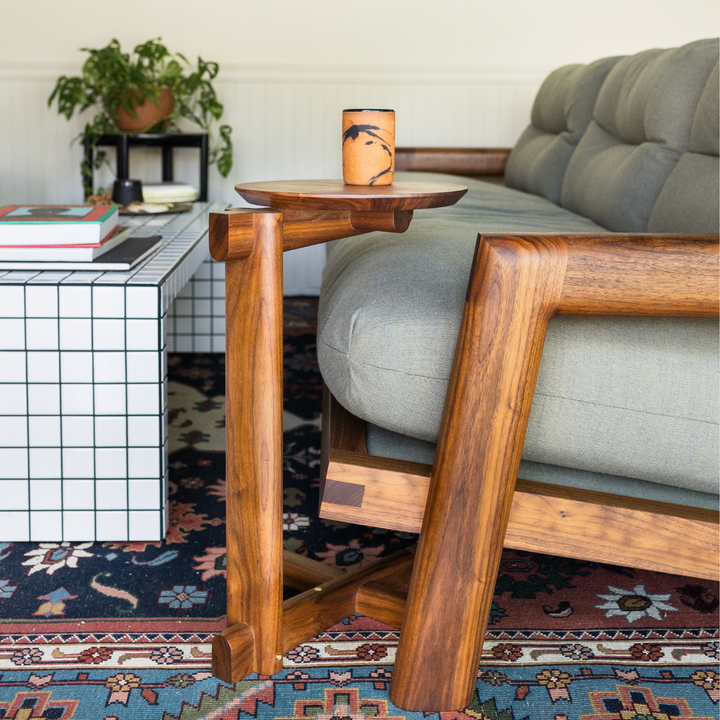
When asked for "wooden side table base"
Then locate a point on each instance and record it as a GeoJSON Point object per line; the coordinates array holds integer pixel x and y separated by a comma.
{"type": "Point", "coordinates": [251, 243]}
{"type": "Point", "coordinates": [318, 608]}
{"type": "Point", "coordinates": [261, 628]}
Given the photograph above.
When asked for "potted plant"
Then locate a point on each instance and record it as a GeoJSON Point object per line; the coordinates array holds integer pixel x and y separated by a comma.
{"type": "Point", "coordinates": [148, 91]}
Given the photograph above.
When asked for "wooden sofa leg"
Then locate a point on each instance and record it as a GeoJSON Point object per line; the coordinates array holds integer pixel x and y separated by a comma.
{"type": "Point", "coordinates": [513, 290]}
{"type": "Point", "coordinates": [254, 455]}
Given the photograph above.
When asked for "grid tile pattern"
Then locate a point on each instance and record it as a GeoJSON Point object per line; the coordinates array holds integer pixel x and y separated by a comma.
{"type": "Point", "coordinates": [83, 392]}
{"type": "Point", "coordinates": [196, 319]}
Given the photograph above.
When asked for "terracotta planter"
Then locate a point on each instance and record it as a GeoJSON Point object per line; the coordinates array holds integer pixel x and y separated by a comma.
{"type": "Point", "coordinates": [148, 114]}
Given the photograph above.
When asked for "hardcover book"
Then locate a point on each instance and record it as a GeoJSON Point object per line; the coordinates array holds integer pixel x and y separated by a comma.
{"type": "Point", "coordinates": [56, 224]}
{"type": "Point", "coordinates": [123, 257]}
{"type": "Point", "coordinates": [77, 253]}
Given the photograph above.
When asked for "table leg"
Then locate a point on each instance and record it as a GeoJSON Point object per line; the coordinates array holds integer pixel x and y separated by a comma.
{"type": "Point", "coordinates": [122, 156]}
{"type": "Point", "coordinates": [167, 163]}
{"type": "Point", "coordinates": [87, 169]}
{"type": "Point", "coordinates": [204, 158]}
{"type": "Point", "coordinates": [254, 457]}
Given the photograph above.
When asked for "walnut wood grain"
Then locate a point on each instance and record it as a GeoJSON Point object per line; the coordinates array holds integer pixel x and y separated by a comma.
{"type": "Point", "coordinates": [316, 610]}
{"type": "Point", "coordinates": [346, 431]}
{"type": "Point", "coordinates": [335, 195]}
{"type": "Point", "coordinates": [651, 275]}
{"type": "Point", "coordinates": [394, 492]}
{"type": "Point", "coordinates": [512, 294]}
{"type": "Point", "coordinates": [231, 234]}
{"type": "Point", "coordinates": [615, 530]}
{"type": "Point", "coordinates": [302, 573]}
{"type": "Point", "coordinates": [340, 430]}
{"type": "Point", "coordinates": [251, 244]}
{"type": "Point", "coordinates": [254, 441]}
{"type": "Point", "coordinates": [233, 653]}
{"type": "Point", "coordinates": [396, 221]}
{"type": "Point", "coordinates": [231, 231]}
{"type": "Point", "coordinates": [381, 603]}
{"type": "Point", "coordinates": [563, 521]}
{"type": "Point", "coordinates": [454, 161]}
{"type": "Point", "coordinates": [311, 227]}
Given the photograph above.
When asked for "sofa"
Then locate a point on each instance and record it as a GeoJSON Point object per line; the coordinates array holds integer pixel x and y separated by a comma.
{"type": "Point", "coordinates": [442, 345]}
{"type": "Point", "coordinates": [622, 405]}
{"type": "Point", "coordinates": [489, 383]}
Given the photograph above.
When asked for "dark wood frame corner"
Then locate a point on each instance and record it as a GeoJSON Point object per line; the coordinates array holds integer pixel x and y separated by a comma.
{"type": "Point", "coordinates": [468, 162]}
{"type": "Point", "coordinates": [467, 505]}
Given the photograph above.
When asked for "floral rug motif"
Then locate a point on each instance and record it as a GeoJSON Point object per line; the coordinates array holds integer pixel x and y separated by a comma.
{"type": "Point", "coordinates": [115, 631]}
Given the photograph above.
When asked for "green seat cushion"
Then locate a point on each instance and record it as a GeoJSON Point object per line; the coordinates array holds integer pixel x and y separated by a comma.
{"type": "Point", "coordinates": [629, 397]}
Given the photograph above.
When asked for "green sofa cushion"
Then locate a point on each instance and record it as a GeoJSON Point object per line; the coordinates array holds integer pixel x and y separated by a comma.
{"type": "Point", "coordinates": [630, 397]}
{"type": "Point", "coordinates": [616, 397]}
{"type": "Point", "coordinates": [561, 112]}
{"type": "Point", "coordinates": [642, 125]}
{"type": "Point", "coordinates": [689, 199]}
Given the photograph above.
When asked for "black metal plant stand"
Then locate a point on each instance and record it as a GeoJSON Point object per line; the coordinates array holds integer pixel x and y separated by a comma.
{"type": "Point", "coordinates": [167, 141]}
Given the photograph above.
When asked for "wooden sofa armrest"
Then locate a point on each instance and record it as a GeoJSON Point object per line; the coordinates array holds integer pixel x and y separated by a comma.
{"type": "Point", "coordinates": [470, 162]}
{"type": "Point", "coordinates": [517, 283]}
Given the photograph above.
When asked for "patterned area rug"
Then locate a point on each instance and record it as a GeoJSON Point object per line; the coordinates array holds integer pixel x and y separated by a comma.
{"type": "Point", "coordinates": [112, 631]}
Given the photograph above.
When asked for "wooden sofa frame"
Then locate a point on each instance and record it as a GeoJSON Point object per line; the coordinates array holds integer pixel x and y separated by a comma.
{"type": "Point", "coordinates": [468, 505]}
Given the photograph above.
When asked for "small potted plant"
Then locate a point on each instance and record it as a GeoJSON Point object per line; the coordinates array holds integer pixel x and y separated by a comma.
{"type": "Point", "coordinates": [148, 91]}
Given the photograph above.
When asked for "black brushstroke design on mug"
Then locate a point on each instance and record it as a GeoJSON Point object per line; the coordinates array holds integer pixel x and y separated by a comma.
{"type": "Point", "coordinates": [353, 132]}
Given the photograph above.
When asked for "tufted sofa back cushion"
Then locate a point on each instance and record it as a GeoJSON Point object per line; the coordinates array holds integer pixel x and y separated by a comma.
{"type": "Point", "coordinates": [642, 125]}
{"type": "Point", "coordinates": [688, 202]}
{"type": "Point", "coordinates": [561, 112]}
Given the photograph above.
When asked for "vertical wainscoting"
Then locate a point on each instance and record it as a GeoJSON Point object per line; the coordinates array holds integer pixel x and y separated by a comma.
{"type": "Point", "coordinates": [286, 125]}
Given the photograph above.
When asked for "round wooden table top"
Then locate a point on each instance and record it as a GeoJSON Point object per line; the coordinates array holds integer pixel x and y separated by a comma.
{"type": "Point", "coordinates": [335, 195]}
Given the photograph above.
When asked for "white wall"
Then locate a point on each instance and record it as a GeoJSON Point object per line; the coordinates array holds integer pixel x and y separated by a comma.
{"type": "Point", "coordinates": [407, 32]}
{"type": "Point", "coordinates": [460, 72]}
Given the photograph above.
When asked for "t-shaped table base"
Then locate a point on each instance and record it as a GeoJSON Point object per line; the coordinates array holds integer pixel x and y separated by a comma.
{"type": "Point", "coordinates": [261, 628]}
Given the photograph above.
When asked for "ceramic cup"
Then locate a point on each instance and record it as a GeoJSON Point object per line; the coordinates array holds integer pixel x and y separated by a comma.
{"type": "Point", "coordinates": [368, 142]}
{"type": "Point", "coordinates": [127, 191]}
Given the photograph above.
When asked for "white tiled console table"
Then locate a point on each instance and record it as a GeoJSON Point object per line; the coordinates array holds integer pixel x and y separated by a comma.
{"type": "Point", "coordinates": [83, 391]}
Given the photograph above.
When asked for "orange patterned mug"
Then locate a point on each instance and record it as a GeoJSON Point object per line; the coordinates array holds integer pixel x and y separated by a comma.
{"type": "Point", "coordinates": [368, 147]}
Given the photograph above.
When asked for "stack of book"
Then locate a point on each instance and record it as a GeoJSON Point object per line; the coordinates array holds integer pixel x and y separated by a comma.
{"type": "Point", "coordinates": [49, 237]}
{"type": "Point", "coordinates": [169, 192]}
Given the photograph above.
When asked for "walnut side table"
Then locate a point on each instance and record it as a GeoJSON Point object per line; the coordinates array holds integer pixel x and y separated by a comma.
{"type": "Point", "coordinates": [261, 628]}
